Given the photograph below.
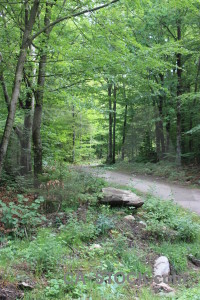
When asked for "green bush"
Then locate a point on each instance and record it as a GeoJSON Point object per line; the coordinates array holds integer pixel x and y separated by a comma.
{"type": "Point", "coordinates": [165, 220]}
{"type": "Point", "coordinates": [187, 230]}
{"type": "Point", "coordinates": [69, 188]}
{"type": "Point", "coordinates": [43, 253]}
{"type": "Point", "coordinates": [104, 224]}
{"type": "Point", "coordinates": [76, 232]}
{"type": "Point", "coordinates": [22, 217]}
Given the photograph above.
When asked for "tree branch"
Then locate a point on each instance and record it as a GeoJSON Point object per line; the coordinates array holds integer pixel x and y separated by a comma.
{"type": "Point", "coordinates": [70, 17]}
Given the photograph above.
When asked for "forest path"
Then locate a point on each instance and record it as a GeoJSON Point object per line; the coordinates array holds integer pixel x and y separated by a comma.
{"type": "Point", "coordinates": [185, 196]}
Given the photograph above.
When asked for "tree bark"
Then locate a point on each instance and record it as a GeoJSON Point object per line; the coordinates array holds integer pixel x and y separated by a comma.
{"type": "Point", "coordinates": [168, 125]}
{"type": "Point", "coordinates": [39, 95]}
{"type": "Point", "coordinates": [179, 93]}
{"type": "Point", "coordinates": [114, 121]}
{"type": "Point", "coordinates": [25, 161]}
{"type": "Point", "coordinates": [124, 127]}
{"type": "Point", "coordinates": [161, 130]}
{"type": "Point", "coordinates": [110, 154]}
{"type": "Point", "coordinates": [124, 132]}
{"type": "Point", "coordinates": [74, 135]}
{"type": "Point", "coordinates": [17, 83]}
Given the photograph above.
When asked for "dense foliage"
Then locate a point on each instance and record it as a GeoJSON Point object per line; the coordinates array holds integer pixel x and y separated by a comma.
{"type": "Point", "coordinates": [99, 82]}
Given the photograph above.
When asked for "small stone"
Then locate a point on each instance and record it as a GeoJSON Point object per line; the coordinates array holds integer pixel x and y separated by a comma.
{"type": "Point", "coordinates": [162, 286]}
{"type": "Point", "coordinates": [95, 246]}
{"type": "Point", "coordinates": [143, 223]}
{"type": "Point", "coordinates": [129, 218]}
{"type": "Point", "coordinates": [25, 285]}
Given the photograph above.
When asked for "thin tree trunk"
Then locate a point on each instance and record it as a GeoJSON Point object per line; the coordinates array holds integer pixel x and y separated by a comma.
{"type": "Point", "coordinates": [168, 125]}
{"type": "Point", "coordinates": [124, 127]}
{"type": "Point", "coordinates": [157, 132]}
{"type": "Point", "coordinates": [25, 161]}
{"type": "Point", "coordinates": [114, 121]}
{"type": "Point", "coordinates": [124, 132]}
{"type": "Point", "coordinates": [109, 157]}
{"type": "Point", "coordinates": [74, 135]}
{"type": "Point", "coordinates": [17, 84]}
{"type": "Point", "coordinates": [179, 93]}
{"type": "Point", "coordinates": [160, 109]}
{"type": "Point", "coordinates": [161, 129]}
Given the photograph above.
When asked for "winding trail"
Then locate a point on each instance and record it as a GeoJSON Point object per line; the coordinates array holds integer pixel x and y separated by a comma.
{"type": "Point", "coordinates": [185, 196]}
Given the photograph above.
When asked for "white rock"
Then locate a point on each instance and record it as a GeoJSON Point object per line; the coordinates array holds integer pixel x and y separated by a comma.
{"type": "Point", "coordinates": [129, 218]}
{"type": "Point", "coordinates": [143, 223]}
{"type": "Point", "coordinates": [161, 266]}
{"type": "Point", "coordinates": [95, 246]}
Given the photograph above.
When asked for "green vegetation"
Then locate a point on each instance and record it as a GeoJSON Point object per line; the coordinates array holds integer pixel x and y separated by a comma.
{"type": "Point", "coordinates": [88, 237]}
{"type": "Point", "coordinates": [108, 82]}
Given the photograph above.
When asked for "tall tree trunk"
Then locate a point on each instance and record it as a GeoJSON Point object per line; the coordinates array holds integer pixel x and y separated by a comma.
{"type": "Point", "coordinates": [157, 131]}
{"type": "Point", "coordinates": [179, 93]}
{"type": "Point", "coordinates": [193, 107]}
{"type": "Point", "coordinates": [39, 95]}
{"type": "Point", "coordinates": [74, 135]}
{"type": "Point", "coordinates": [124, 132]}
{"type": "Point", "coordinates": [168, 125]}
{"type": "Point", "coordinates": [161, 129]}
{"type": "Point", "coordinates": [37, 119]}
{"type": "Point", "coordinates": [109, 157]}
{"type": "Point", "coordinates": [17, 83]}
{"type": "Point", "coordinates": [25, 160]}
{"type": "Point", "coordinates": [124, 127]}
{"type": "Point", "coordinates": [160, 109]}
{"type": "Point", "coordinates": [26, 136]}
{"type": "Point", "coordinates": [114, 121]}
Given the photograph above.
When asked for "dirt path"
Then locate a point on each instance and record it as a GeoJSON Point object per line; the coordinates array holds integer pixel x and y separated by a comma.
{"type": "Point", "coordinates": [185, 196]}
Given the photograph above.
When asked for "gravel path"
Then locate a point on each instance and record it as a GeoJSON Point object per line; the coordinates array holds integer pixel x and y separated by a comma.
{"type": "Point", "coordinates": [185, 196]}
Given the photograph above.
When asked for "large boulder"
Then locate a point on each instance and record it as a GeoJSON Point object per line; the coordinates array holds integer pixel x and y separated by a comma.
{"type": "Point", "coordinates": [161, 266]}
{"type": "Point", "coordinates": [117, 197]}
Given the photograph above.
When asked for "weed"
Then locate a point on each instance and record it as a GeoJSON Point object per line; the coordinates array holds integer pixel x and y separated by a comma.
{"type": "Point", "coordinates": [22, 218]}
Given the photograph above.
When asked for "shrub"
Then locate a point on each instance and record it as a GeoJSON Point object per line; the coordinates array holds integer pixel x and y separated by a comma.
{"type": "Point", "coordinates": [43, 253]}
{"type": "Point", "coordinates": [104, 224]}
{"type": "Point", "coordinates": [76, 231]}
{"type": "Point", "coordinates": [162, 223]}
{"type": "Point", "coordinates": [22, 217]}
{"type": "Point", "coordinates": [68, 188]}
{"type": "Point", "coordinates": [187, 229]}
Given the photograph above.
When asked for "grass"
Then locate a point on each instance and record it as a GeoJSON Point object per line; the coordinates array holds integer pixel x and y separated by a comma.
{"type": "Point", "coordinates": [66, 241]}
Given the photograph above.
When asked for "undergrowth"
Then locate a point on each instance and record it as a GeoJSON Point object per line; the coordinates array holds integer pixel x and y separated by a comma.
{"type": "Point", "coordinates": [67, 230]}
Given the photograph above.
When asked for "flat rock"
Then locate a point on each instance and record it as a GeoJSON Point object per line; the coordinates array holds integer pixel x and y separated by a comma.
{"type": "Point", "coordinates": [118, 197]}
